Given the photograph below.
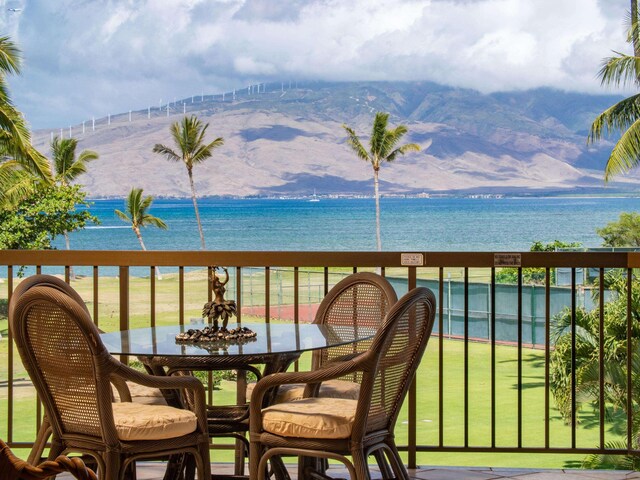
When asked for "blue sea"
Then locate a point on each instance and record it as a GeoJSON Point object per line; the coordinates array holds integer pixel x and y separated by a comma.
{"type": "Point", "coordinates": [343, 224]}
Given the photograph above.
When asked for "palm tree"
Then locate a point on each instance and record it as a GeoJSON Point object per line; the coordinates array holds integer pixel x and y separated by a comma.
{"type": "Point", "coordinates": [188, 137]}
{"type": "Point", "coordinates": [382, 148]}
{"type": "Point", "coordinates": [624, 116]}
{"type": "Point", "coordinates": [66, 167]}
{"type": "Point", "coordinates": [22, 168]}
{"type": "Point", "coordinates": [137, 215]}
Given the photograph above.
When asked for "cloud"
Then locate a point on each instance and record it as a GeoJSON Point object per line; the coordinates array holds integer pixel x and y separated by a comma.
{"type": "Point", "coordinates": [249, 66]}
{"type": "Point", "coordinates": [86, 58]}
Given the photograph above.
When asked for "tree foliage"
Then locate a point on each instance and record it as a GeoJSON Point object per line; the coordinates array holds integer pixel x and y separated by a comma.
{"type": "Point", "coordinates": [188, 137]}
{"type": "Point", "coordinates": [624, 116]}
{"type": "Point", "coordinates": [587, 357]}
{"type": "Point", "coordinates": [66, 165]}
{"type": "Point", "coordinates": [137, 213]}
{"type": "Point", "coordinates": [623, 233]}
{"type": "Point", "coordinates": [383, 147]}
{"type": "Point", "coordinates": [41, 216]}
{"type": "Point", "coordinates": [22, 167]}
{"type": "Point", "coordinates": [534, 276]}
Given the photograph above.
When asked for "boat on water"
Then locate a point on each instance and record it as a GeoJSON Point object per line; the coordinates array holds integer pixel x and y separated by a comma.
{"type": "Point", "coordinates": [314, 197]}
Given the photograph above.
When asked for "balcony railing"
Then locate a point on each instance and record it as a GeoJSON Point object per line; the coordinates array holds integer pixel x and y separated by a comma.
{"type": "Point", "coordinates": [484, 384]}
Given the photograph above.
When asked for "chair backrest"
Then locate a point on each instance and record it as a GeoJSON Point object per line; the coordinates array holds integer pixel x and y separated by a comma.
{"type": "Point", "coordinates": [44, 280]}
{"type": "Point", "coordinates": [362, 299]}
{"type": "Point", "coordinates": [394, 358]}
{"type": "Point", "coordinates": [70, 368]}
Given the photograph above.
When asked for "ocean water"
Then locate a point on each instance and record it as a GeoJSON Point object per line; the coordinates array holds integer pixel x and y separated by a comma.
{"type": "Point", "coordinates": [422, 224]}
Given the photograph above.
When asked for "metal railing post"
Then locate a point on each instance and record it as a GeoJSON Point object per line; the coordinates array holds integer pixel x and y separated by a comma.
{"type": "Point", "coordinates": [123, 272]}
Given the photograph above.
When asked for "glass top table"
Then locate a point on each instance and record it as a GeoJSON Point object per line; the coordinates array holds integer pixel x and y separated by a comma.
{"type": "Point", "coordinates": [271, 339]}
{"type": "Point", "coordinates": [276, 345]}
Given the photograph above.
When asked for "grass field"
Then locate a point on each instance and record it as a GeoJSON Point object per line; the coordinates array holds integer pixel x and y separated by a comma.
{"type": "Point", "coordinates": [479, 382]}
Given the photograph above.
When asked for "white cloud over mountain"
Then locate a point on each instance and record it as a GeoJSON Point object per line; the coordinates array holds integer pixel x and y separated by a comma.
{"type": "Point", "coordinates": [91, 58]}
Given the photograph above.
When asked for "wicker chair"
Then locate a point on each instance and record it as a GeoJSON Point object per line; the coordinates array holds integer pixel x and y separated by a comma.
{"type": "Point", "coordinates": [334, 428]}
{"type": "Point", "coordinates": [12, 468]}
{"type": "Point", "coordinates": [72, 372]}
{"type": "Point", "coordinates": [122, 388]}
{"type": "Point", "coordinates": [362, 299]}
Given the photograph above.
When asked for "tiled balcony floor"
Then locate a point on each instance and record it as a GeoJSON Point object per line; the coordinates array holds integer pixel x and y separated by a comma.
{"type": "Point", "coordinates": [155, 471]}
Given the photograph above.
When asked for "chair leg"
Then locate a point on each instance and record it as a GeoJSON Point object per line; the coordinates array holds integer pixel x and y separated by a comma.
{"type": "Point", "coordinates": [255, 454]}
{"type": "Point", "coordinates": [361, 466]}
{"type": "Point", "coordinates": [128, 468]}
{"type": "Point", "coordinates": [190, 467]}
{"type": "Point", "coordinates": [56, 450]}
{"type": "Point", "coordinates": [241, 453]}
{"type": "Point", "coordinates": [113, 467]}
{"type": "Point", "coordinates": [278, 469]}
{"type": "Point", "coordinates": [175, 466]}
{"type": "Point", "coordinates": [312, 466]}
{"type": "Point", "coordinates": [203, 463]}
{"type": "Point", "coordinates": [383, 465]}
{"type": "Point", "coordinates": [396, 462]}
{"type": "Point", "coordinates": [41, 441]}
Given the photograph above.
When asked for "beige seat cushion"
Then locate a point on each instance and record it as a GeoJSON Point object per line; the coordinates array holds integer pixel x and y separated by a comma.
{"type": "Point", "coordinates": [329, 389]}
{"type": "Point", "coordinates": [135, 421]}
{"type": "Point", "coordinates": [311, 418]}
{"type": "Point", "coordinates": [142, 394]}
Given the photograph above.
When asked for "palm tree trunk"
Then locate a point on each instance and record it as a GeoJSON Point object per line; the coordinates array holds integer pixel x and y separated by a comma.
{"type": "Point", "coordinates": [139, 235]}
{"type": "Point", "coordinates": [634, 28]}
{"type": "Point", "coordinates": [635, 38]}
{"type": "Point", "coordinates": [377, 195]}
{"type": "Point", "coordinates": [72, 275]}
{"type": "Point", "coordinates": [195, 207]}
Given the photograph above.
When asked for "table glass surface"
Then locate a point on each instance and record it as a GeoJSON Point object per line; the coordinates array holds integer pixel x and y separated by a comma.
{"type": "Point", "coordinates": [272, 338]}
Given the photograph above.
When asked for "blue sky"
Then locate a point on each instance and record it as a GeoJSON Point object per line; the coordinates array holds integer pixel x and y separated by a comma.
{"type": "Point", "coordinates": [85, 58]}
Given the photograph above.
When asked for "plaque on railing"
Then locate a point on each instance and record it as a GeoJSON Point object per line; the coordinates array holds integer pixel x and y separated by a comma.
{"type": "Point", "coordinates": [411, 259]}
{"type": "Point", "coordinates": [507, 260]}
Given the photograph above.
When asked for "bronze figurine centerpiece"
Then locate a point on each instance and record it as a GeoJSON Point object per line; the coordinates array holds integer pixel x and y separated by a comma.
{"type": "Point", "coordinates": [214, 311]}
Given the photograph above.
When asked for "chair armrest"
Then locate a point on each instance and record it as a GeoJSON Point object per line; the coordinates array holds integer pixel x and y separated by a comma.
{"type": "Point", "coordinates": [335, 369]}
{"type": "Point", "coordinates": [121, 387]}
{"type": "Point", "coordinates": [343, 358]}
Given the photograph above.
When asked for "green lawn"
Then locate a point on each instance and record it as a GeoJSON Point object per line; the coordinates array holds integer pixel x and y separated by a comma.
{"type": "Point", "coordinates": [479, 408]}
{"type": "Point", "coordinates": [427, 425]}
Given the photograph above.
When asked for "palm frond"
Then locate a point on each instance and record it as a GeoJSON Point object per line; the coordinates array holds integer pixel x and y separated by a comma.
{"type": "Point", "coordinates": [202, 152]}
{"type": "Point", "coordinates": [16, 141]}
{"type": "Point", "coordinates": [76, 169]}
{"type": "Point", "coordinates": [15, 184]}
{"type": "Point", "coordinates": [378, 134]}
{"type": "Point", "coordinates": [122, 215]}
{"type": "Point", "coordinates": [144, 203]}
{"type": "Point", "coordinates": [616, 118]}
{"type": "Point", "coordinates": [167, 152]}
{"type": "Point", "coordinates": [10, 57]}
{"type": "Point", "coordinates": [136, 206]}
{"type": "Point", "coordinates": [561, 324]}
{"type": "Point", "coordinates": [620, 70]}
{"type": "Point", "coordinates": [354, 142]}
{"type": "Point", "coordinates": [154, 221]}
{"type": "Point", "coordinates": [409, 147]}
{"type": "Point", "coordinates": [609, 461]}
{"type": "Point", "coordinates": [625, 154]}
{"type": "Point", "coordinates": [633, 28]}
{"type": "Point", "coordinates": [66, 166]}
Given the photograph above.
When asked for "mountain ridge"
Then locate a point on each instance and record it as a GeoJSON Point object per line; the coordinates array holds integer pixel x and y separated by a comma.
{"type": "Point", "coordinates": [291, 141]}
